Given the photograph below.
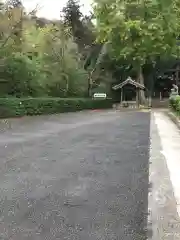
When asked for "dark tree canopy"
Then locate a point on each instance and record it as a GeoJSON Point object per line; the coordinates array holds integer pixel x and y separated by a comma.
{"type": "Point", "coordinates": [78, 24]}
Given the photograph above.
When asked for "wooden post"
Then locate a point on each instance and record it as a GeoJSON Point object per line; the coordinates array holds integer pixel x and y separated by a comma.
{"type": "Point", "coordinates": [121, 95]}
{"type": "Point", "coordinates": [137, 97]}
{"type": "Point", "coordinates": [177, 74]}
{"type": "Point", "coordinates": [150, 101]}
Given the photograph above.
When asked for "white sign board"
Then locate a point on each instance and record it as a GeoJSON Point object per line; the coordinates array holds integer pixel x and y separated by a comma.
{"type": "Point", "coordinates": [99, 95]}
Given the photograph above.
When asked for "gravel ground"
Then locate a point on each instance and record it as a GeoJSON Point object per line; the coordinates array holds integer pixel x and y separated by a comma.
{"type": "Point", "coordinates": [75, 176]}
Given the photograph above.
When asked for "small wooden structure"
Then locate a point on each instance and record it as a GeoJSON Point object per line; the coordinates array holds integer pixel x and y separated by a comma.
{"type": "Point", "coordinates": [137, 85]}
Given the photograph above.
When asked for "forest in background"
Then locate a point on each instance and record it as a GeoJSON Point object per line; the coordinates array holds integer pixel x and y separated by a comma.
{"type": "Point", "coordinates": [72, 57]}
{"type": "Point", "coordinates": [39, 57]}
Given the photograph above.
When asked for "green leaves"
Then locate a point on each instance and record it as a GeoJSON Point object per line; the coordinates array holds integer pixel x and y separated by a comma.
{"type": "Point", "coordinates": [13, 107]}
{"type": "Point", "coordinates": [139, 29]}
{"type": "Point", "coordinates": [45, 62]}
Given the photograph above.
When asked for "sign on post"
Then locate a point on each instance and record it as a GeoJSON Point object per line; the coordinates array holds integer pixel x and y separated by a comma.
{"type": "Point", "coordinates": [100, 95]}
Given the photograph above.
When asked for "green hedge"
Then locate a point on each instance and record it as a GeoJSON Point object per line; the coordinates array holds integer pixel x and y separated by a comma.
{"type": "Point", "coordinates": [12, 107]}
{"type": "Point", "coordinates": [174, 103]}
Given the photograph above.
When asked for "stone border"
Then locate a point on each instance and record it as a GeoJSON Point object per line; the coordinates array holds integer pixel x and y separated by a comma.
{"type": "Point", "coordinates": [174, 118]}
{"type": "Point", "coordinates": [119, 107]}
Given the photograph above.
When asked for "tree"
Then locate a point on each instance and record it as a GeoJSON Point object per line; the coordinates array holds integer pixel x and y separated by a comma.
{"type": "Point", "coordinates": [78, 24]}
{"type": "Point", "coordinates": [39, 57]}
{"type": "Point", "coordinates": [58, 57]}
{"type": "Point", "coordinates": [81, 28]}
{"type": "Point", "coordinates": [139, 31]}
{"type": "Point", "coordinates": [48, 64]}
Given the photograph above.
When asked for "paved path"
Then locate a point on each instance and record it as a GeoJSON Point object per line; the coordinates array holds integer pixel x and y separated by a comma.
{"type": "Point", "coordinates": [84, 176]}
{"type": "Point", "coordinates": [164, 218]}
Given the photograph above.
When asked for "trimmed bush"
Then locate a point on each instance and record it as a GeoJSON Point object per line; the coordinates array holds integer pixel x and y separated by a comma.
{"type": "Point", "coordinates": [14, 107]}
{"type": "Point", "coordinates": [174, 103]}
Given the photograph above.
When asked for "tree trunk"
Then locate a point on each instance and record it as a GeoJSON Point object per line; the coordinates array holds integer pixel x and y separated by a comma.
{"type": "Point", "coordinates": [142, 99]}
{"type": "Point", "coordinates": [67, 86]}
{"type": "Point", "coordinates": [177, 75]}
{"type": "Point", "coordinates": [90, 85]}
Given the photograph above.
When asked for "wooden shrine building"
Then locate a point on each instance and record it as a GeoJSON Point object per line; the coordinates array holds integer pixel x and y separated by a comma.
{"type": "Point", "coordinates": [135, 87]}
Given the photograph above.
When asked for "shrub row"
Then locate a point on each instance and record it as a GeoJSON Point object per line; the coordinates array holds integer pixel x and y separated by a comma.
{"type": "Point", "coordinates": [13, 107]}
{"type": "Point", "coordinates": [174, 103]}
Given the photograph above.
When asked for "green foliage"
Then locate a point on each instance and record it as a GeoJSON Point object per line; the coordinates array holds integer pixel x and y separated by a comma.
{"type": "Point", "coordinates": [14, 107]}
{"type": "Point", "coordinates": [142, 33]}
{"type": "Point", "coordinates": [44, 58]}
{"type": "Point", "coordinates": [21, 75]}
{"type": "Point", "coordinates": [138, 30]}
{"type": "Point", "coordinates": [80, 26]}
{"type": "Point", "coordinates": [39, 57]}
{"type": "Point", "coordinates": [48, 64]}
{"type": "Point", "coordinates": [174, 103]}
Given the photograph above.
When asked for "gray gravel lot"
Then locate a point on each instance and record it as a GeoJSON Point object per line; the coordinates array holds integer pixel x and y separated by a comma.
{"type": "Point", "coordinates": [78, 176]}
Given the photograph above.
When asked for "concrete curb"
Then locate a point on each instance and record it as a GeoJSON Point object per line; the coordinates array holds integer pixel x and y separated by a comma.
{"type": "Point", "coordinates": [164, 176]}
{"type": "Point", "coordinates": [173, 118]}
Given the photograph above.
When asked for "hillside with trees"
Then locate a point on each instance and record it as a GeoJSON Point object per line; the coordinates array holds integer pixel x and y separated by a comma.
{"type": "Point", "coordinates": [142, 34]}
{"type": "Point", "coordinates": [39, 57]}
{"type": "Point", "coordinates": [72, 57]}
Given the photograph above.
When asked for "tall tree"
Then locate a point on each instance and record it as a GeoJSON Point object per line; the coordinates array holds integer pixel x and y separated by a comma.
{"type": "Point", "coordinates": [78, 24]}
{"type": "Point", "coordinates": [82, 31]}
{"type": "Point", "coordinates": [139, 31]}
